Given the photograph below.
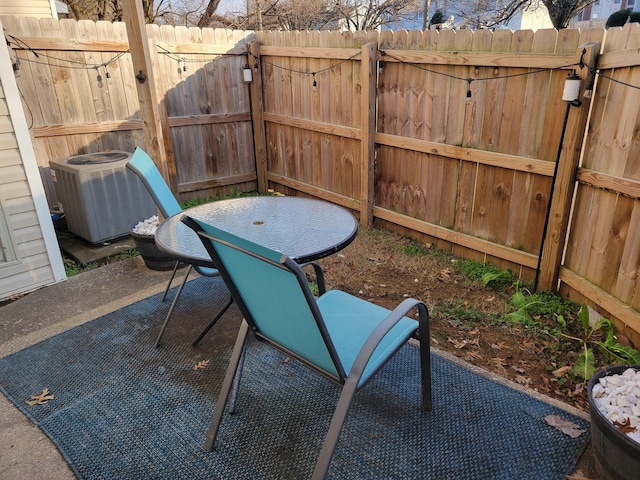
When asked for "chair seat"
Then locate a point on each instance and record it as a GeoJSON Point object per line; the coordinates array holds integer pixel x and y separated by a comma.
{"type": "Point", "coordinates": [350, 320]}
{"type": "Point", "coordinates": [206, 271]}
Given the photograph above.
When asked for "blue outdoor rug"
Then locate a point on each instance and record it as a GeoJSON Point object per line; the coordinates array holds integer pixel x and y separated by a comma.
{"type": "Point", "coordinates": [124, 410]}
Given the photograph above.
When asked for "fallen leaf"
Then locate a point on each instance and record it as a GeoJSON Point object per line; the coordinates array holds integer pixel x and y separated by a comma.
{"type": "Point", "coordinates": [474, 332]}
{"type": "Point", "coordinates": [532, 347]}
{"type": "Point", "coordinates": [41, 399]}
{"type": "Point", "coordinates": [498, 346]}
{"type": "Point", "coordinates": [576, 391]}
{"type": "Point", "coordinates": [565, 426]}
{"type": "Point", "coordinates": [625, 427]}
{"type": "Point", "coordinates": [201, 364]}
{"type": "Point", "coordinates": [456, 343]}
{"type": "Point", "coordinates": [522, 380]}
{"type": "Point", "coordinates": [545, 387]}
{"type": "Point", "coordinates": [499, 362]}
{"type": "Point", "coordinates": [472, 355]}
{"type": "Point", "coordinates": [561, 371]}
{"type": "Point", "coordinates": [517, 369]}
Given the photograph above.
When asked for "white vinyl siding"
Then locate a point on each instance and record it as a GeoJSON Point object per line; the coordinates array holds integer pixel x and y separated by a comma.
{"type": "Point", "coordinates": [28, 8]}
{"type": "Point", "coordinates": [30, 257]}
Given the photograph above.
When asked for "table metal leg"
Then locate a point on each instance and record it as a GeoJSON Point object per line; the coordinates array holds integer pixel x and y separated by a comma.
{"type": "Point", "coordinates": [173, 305]}
{"type": "Point", "coordinates": [173, 275]}
{"type": "Point", "coordinates": [213, 322]}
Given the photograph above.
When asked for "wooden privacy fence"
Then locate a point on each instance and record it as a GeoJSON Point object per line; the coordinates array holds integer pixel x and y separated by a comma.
{"type": "Point", "coordinates": [450, 137]}
{"type": "Point", "coordinates": [602, 259]}
{"type": "Point", "coordinates": [465, 144]}
{"type": "Point", "coordinates": [467, 147]}
{"type": "Point", "coordinates": [79, 93]}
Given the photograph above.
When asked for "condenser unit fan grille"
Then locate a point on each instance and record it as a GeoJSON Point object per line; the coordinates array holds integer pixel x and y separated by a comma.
{"type": "Point", "coordinates": [97, 158]}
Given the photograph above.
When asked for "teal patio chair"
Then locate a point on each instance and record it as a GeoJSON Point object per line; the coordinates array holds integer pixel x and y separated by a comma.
{"type": "Point", "coordinates": [142, 165]}
{"type": "Point", "coordinates": [342, 337]}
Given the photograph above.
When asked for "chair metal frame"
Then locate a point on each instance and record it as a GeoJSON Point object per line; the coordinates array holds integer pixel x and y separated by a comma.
{"type": "Point", "coordinates": [143, 166]}
{"type": "Point", "coordinates": [352, 378]}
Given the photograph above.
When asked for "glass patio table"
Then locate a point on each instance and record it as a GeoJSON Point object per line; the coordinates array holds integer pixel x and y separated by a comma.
{"type": "Point", "coordinates": [303, 229]}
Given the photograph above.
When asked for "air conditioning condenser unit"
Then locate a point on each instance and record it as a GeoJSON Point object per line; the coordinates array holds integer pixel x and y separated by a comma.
{"type": "Point", "coordinates": [101, 199]}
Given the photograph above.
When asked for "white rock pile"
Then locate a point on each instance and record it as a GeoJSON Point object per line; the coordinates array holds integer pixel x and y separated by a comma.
{"type": "Point", "coordinates": [146, 227]}
{"type": "Point", "coordinates": [618, 398]}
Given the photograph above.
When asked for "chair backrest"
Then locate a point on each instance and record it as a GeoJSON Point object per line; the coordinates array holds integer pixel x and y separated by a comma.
{"type": "Point", "coordinates": [274, 296]}
{"type": "Point", "coordinates": [142, 165]}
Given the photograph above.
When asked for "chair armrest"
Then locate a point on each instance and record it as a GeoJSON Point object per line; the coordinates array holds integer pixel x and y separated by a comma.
{"type": "Point", "coordinates": [374, 339]}
{"type": "Point", "coordinates": [319, 276]}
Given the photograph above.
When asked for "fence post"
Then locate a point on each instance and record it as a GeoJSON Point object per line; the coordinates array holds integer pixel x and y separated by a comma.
{"type": "Point", "coordinates": [154, 119]}
{"type": "Point", "coordinates": [562, 194]}
{"type": "Point", "coordinates": [259, 135]}
{"type": "Point", "coordinates": [368, 79]}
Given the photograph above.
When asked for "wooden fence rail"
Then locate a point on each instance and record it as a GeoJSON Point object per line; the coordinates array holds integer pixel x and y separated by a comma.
{"type": "Point", "coordinates": [455, 138]}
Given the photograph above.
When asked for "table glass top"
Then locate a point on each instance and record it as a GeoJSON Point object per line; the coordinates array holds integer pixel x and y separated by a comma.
{"type": "Point", "coordinates": [302, 228]}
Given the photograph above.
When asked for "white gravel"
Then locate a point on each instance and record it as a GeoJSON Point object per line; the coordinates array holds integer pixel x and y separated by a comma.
{"type": "Point", "coordinates": [146, 227]}
{"type": "Point", "coordinates": [618, 398]}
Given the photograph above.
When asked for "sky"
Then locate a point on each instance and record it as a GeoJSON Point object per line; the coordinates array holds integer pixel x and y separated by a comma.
{"type": "Point", "coordinates": [231, 6]}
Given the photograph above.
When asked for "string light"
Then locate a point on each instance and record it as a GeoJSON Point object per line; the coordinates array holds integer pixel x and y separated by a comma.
{"type": "Point", "coordinates": [314, 84]}
{"type": "Point", "coordinates": [247, 74]}
{"type": "Point", "coordinates": [571, 90]}
{"type": "Point", "coordinates": [74, 64]}
{"type": "Point", "coordinates": [468, 79]}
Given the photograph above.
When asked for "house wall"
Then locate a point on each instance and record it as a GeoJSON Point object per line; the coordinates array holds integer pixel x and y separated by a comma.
{"type": "Point", "coordinates": [602, 9]}
{"type": "Point", "coordinates": [29, 253]}
{"type": "Point", "coordinates": [29, 8]}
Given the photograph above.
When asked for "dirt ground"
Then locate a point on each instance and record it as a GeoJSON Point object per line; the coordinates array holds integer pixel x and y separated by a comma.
{"type": "Point", "coordinates": [465, 316]}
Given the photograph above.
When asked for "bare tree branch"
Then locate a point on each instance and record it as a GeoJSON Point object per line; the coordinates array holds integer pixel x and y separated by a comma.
{"type": "Point", "coordinates": [207, 16]}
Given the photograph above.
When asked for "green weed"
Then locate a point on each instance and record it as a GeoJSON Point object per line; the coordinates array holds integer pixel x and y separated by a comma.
{"type": "Point", "coordinates": [460, 313]}
{"type": "Point", "coordinates": [601, 336]}
{"type": "Point", "coordinates": [413, 248]}
{"type": "Point", "coordinates": [532, 308]}
{"type": "Point", "coordinates": [488, 274]}
{"type": "Point", "coordinates": [71, 267]}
